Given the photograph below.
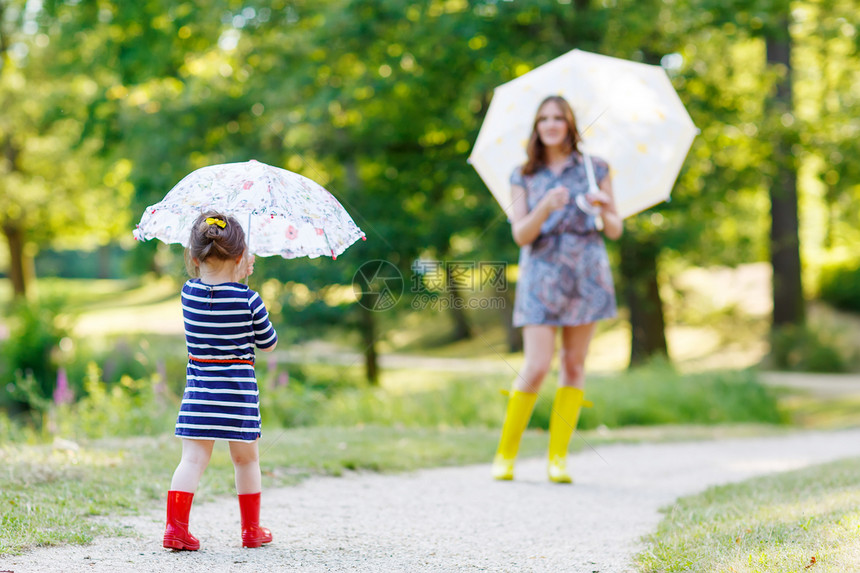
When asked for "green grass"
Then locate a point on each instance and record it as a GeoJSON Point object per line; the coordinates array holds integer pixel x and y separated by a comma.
{"type": "Point", "coordinates": [805, 520]}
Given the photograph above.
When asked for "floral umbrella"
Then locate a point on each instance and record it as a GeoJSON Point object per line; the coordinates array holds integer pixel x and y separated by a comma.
{"type": "Point", "coordinates": [282, 213]}
{"type": "Point", "coordinates": [628, 113]}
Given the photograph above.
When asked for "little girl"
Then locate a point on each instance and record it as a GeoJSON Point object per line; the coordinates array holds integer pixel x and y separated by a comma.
{"type": "Point", "coordinates": [224, 322]}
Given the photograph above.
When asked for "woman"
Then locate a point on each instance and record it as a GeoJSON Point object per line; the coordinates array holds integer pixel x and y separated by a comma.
{"type": "Point", "coordinates": [564, 278]}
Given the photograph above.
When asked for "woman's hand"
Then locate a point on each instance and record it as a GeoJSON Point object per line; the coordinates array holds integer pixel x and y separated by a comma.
{"type": "Point", "coordinates": [598, 198]}
{"type": "Point", "coordinates": [555, 199]}
{"type": "Point", "coordinates": [525, 224]}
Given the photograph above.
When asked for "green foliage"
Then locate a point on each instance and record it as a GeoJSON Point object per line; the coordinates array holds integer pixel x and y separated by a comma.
{"type": "Point", "coordinates": [321, 397]}
{"type": "Point", "coordinates": [134, 357]}
{"type": "Point", "coordinates": [769, 524]}
{"type": "Point", "coordinates": [840, 285]}
{"type": "Point", "coordinates": [13, 431]}
{"type": "Point", "coordinates": [462, 403]}
{"type": "Point", "coordinates": [129, 408]}
{"type": "Point", "coordinates": [103, 263]}
{"type": "Point", "coordinates": [652, 395]}
{"type": "Point", "coordinates": [27, 390]}
{"type": "Point", "coordinates": [658, 394]}
{"type": "Point", "coordinates": [111, 104]}
{"type": "Point", "coordinates": [805, 349]}
{"type": "Point", "coordinates": [123, 101]}
{"type": "Point", "coordinates": [331, 396]}
{"type": "Point", "coordinates": [28, 356]}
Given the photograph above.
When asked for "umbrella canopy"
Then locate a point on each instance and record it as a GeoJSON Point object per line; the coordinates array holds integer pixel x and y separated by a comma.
{"type": "Point", "coordinates": [282, 213]}
{"type": "Point", "coordinates": [627, 113]}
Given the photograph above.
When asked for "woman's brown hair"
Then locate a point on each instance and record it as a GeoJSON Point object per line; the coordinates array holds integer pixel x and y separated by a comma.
{"type": "Point", "coordinates": [213, 236]}
{"type": "Point", "coordinates": [536, 150]}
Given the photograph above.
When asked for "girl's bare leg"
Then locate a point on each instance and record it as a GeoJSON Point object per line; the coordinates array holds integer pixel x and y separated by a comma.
{"type": "Point", "coordinates": [195, 458]}
{"type": "Point", "coordinates": [246, 463]}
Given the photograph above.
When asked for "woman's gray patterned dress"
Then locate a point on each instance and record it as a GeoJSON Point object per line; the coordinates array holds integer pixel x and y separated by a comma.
{"type": "Point", "coordinates": [564, 275]}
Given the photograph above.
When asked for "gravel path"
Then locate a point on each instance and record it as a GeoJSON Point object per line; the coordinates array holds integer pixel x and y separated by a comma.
{"type": "Point", "coordinates": [456, 519]}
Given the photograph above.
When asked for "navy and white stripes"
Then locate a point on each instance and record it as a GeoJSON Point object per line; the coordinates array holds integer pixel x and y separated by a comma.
{"type": "Point", "coordinates": [223, 324]}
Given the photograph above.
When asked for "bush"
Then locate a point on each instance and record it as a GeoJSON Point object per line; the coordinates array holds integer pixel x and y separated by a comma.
{"type": "Point", "coordinates": [28, 355]}
{"type": "Point", "coordinates": [840, 285]}
{"type": "Point", "coordinates": [129, 408]}
{"type": "Point", "coordinates": [657, 394]}
{"type": "Point", "coordinates": [650, 395]}
{"type": "Point", "coordinates": [15, 431]}
{"type": "Point", "coordinates": [654, 394]}
{"type": "Point", "coordinates": [460, 403]}
{"type": "Point", "coordinates": [804, 349]}
{"type": "Point", "coordinates": [135, 356]}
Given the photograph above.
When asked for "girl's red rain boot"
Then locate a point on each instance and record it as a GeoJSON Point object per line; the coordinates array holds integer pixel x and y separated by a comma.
{"type": "Point", "coordinates": [252, 534]}
{"type": "Point", "coordinates": [176, 535]}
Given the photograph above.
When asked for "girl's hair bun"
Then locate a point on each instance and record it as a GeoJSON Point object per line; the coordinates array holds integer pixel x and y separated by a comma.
{"type": "Point", "coordinates": [216, 236]}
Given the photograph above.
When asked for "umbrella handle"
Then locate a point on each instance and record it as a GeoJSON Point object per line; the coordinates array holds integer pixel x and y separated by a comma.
{"type": "Point", "coordinates": [247, 247]}
{"type": "Point", "coordinates": [592, 210]}
{"type": "Point", "coordinates": [589, 172]}
{"type": "Point", "coordinates": [248, 238]}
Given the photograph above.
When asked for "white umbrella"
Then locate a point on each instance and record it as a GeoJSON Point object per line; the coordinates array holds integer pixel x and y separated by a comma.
{"type": "Point", "coordinates": [283, 213]}
{"type": "Point", "coordinates": [628, 114]}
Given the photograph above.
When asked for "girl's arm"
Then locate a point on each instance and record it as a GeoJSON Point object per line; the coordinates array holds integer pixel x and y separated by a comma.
{"type": "Point", "coordinates": [525, 225]}
{"type": "Point", "coordinates": [265, 337]}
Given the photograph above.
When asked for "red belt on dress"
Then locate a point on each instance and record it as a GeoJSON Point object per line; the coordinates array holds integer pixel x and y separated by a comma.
{"type": "Point", "coordinates": [220, 360]}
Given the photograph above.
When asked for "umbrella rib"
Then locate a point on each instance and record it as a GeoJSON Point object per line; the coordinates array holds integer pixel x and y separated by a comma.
{"type": "Point", "coordinates": [587, 127]}
{"type": "Point", "coordinates": [328, 243]}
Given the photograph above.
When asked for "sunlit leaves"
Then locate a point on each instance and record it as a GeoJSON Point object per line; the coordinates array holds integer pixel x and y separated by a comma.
{"type": "Point", "coordinates": [395, 91]}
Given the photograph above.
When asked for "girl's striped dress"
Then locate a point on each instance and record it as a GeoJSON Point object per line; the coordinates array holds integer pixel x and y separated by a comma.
{"type": "Point", "coordinates": [223, 325]}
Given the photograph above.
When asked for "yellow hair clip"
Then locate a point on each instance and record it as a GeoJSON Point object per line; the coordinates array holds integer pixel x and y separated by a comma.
{"type": "Point", "coordinates": [214, 221]}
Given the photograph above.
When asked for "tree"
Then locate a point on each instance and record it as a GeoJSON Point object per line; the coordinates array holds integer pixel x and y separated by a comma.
{"type": "Point", "coordinates": [54, 189]}
{"type": "Point", "coordinates": [788, 301]}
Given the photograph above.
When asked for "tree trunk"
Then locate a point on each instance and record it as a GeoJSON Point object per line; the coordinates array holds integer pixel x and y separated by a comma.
{"type": "Point", "coordinates": [367, 323]}
{"type": "Point", "coordinates": [642, 293]}
{"type": "Point", "coordinates": [788, 303]}
{"type": "Point", "coordinates": [18, 268]}
{"type": "Point", "coordinates": [368, 339]}
{"type": "Point", "coordinates": [17, 265]}
{"type": "Point", "coordinates": [462, 330]}
{"type": "Point", "coordinates": [640, 288]}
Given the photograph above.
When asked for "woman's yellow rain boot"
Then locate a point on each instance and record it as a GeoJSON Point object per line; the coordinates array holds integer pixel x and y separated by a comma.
{"type": "Point", "coordinates": [565, 415]}
{"type": "Point", "coordinates": [520, 406]}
